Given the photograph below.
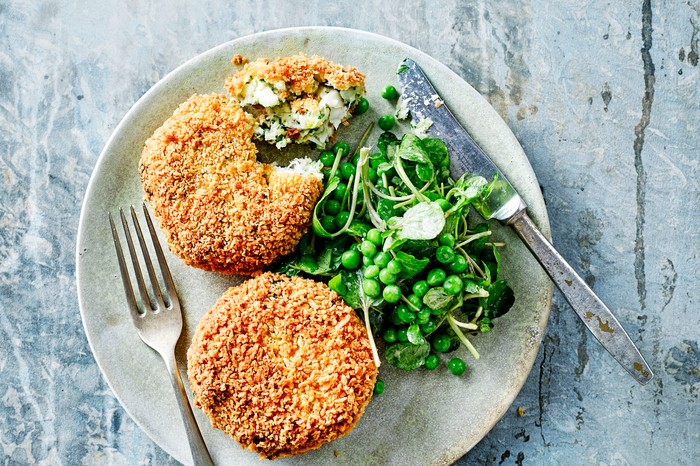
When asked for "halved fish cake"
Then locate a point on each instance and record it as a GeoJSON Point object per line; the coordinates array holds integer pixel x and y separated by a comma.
{"type": "Point", "coordinates": [297, 99]}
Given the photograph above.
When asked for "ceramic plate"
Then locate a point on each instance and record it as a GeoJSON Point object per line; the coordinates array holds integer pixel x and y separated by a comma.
{"type": "Point", "coordinates": [422, 417]}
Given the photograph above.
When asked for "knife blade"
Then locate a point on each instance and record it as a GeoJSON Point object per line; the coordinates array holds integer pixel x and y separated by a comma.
{"type": "Point", "coordinates": [503, 203]}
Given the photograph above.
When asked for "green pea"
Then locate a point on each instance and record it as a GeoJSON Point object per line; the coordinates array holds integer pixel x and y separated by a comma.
{"type": "Point", "coordinates": [402, 334]}
{"type": "Point", "coordinates": [351, 259]}
{"type": "Point", "coordinates": [361, 107]}
{"type": "Point", "coordinates": [394, 267]}
{"type": "Point", "coordinates": [387, 277]}
{"type": "Point", "coordinates": [328, 223]}
{"type": "Point", "coordinates": [373, 176]}
{"type": "Point", "coordinates": [340, 145]}
{"type": "Point", "coordinates": [447, 239]}
{"type": "Point", "coordinates": [382, 259]}
{"type": "Point", "coordinates": [429, 327]}
{"type": "Point", "coordinates": [347, 170]}
{"type": "Point", "coordinates": [387, 122]}
{"type": "Point", "coordinates": [459, 265]}
{"type": "Point", "coordinates": [371, 287]}
{"type": "Point", "coordinates": [376, 159]}
{"type": "Point", "coordinates": [415, 301]}
{"type": "Point", "coordinates": [436, 277]}
{"type": "Point", "coordinates": [432, 362]}
{"type": "Point", "coordinates": [368, 248]}
{"type": "Point", "coordinates": [391, 293]}
{"type": "Point", "coordinates": [356, 159]}
{"type": "Point", "coordinates": [378, 387]}
{"type": "Point", "coordinates": [375, 236]}
{"type": "Point", "coordinates": [423, 316]}
{"type": "Point", "coordinates": [327, 158]}
{"type": "Point", "coordinates": [332, 207]}
{"type": "Point", "coordinates": [420, 288]}
{"type": "Point", "coordinates": [453, 284]}
{"type": "Point", "coordinates": [339, 192]}
{"type": "Point", "coordinates": [367, 261]}
{"type": "Point", "coordinates": [371, 271]}
{"type": "Point", "coordinates": [444, 204]}
{"type": "Point", "coordinates": [445, 254]}
{"type": "Point", "coordinates": [457, 366]}
{"type": "Point", "coordinates": [389, 335]}
{"type": "Point", "coordinates": [342, 218]}
{"type": "Point", "coordinates": [390, 93]}
{"type": "Point", "coordinates": [405, 314]}
{"type": "Point", "coordinates": [441, 343]}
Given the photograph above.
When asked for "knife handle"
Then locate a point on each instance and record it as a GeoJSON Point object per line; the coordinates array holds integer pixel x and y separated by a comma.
{"type": "Point", "coordinates": [592, 311]}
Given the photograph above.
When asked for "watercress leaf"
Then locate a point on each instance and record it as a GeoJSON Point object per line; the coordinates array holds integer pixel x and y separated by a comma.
{"type": "Point", "coordinates": [316, 222]}
{"type": "Point", "coordinates": [414, 334]}
{"type": "Point", "coordinates": [385, 140]}
{"type": "Point", "coordinates": [358, 228]}
{"type": "Point", "coordinates": [499, 301]}
{"type": "Point", "coordinates": [410, 265]}
{"type": "Point", "coordinates": [412, 149]}
{"type": "Point", "coordinates": [437, 299]}
{"type": "Point", "coordinates": [385, 209]}
{"type": "Point", "coordinates": [351, 288]}
{"type": "Point", "coordinates": [384, 167]}
{"type": "Point", "coordinates": [391, 243]}
{"type": "Point", "coordinates": [424, 220]}
{"type": "Point", "coordinates": [406, 355]}
{"type": "Point", "coordinates": [436, 149]}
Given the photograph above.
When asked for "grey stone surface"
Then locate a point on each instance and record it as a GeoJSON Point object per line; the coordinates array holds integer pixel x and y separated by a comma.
{"type": "Point", "coordinates": [603, 96]}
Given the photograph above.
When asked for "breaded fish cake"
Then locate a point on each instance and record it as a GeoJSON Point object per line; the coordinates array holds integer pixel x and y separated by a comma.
{"type": "Point", "coordinates": [297, 99]}
{"type": "Point", "coordinates": [282, 365]}
{"type": "Point", "coordinates": [221, 209]}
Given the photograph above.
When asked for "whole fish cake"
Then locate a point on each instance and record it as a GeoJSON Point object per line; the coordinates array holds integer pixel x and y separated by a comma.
{"type": "Point", "coordinates": [282, 365]}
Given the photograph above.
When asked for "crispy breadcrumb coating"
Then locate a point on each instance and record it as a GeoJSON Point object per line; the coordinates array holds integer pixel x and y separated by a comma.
{"type": "Point", "coordinates": [300, 74]}
{"type": "Point", "coordinates": [282, 365]}
{"type": "Point", "coordinates": [221, 209]}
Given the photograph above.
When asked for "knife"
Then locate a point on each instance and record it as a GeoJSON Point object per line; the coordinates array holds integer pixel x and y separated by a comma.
{"type": "Point", "coordinates": [504, 204]}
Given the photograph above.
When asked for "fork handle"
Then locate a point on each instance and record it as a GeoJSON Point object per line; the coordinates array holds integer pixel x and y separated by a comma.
{"type": "Point", "coordinates": [200, 453]}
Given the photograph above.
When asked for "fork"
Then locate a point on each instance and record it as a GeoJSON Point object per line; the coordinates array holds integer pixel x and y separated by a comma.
{"type": "Point", "coordinates": [159, 322]}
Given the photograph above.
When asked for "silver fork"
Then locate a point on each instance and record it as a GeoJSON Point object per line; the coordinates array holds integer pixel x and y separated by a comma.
{"type": "Point", "coordinates": [159, 322]}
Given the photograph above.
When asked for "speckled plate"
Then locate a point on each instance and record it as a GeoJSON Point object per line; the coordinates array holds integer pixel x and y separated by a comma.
{"type": "Point", "coordinates": [422, 418]}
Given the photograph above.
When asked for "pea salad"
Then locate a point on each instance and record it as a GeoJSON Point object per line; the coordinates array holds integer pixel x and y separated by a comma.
{"type": "Point", "coordinates": [393, 236]}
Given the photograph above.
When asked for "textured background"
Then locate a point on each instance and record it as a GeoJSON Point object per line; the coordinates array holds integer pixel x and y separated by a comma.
{"type": "Point", "coordinates": [604, 97]}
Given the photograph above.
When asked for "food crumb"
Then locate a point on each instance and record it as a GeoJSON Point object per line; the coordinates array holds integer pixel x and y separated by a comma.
{"type": "Point", "coordinates": [521, 411]}
{"type": "Point", "coordinates": [239, 60]}
{"type": "Point", "coordinates": [438, 104]}
{"type": "Point", "coordinates": [336, 453]}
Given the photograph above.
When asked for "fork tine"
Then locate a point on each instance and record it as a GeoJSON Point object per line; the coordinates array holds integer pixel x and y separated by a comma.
{"type": "Point", "coordinates": [135, 261]}
{"type": "Point", "coordinates": [147, 259]}
{"type": "Point", "coordinates": [128, 290]}
{"type": "Point", "coordinates": [165, 270]}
